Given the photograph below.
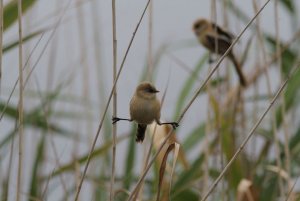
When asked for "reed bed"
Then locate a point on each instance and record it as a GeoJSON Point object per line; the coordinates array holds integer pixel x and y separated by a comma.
{"type": "Point", "coordinates": [64, 74]}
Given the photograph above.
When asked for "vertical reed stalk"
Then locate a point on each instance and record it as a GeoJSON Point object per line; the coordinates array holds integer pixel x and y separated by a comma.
{"type": "Point", "coordinates": [218, 115]}
{"type": "Point", "coordinates": [211, 125]}
{"type": "Point", "coordinates": [283, 111]}
{"type": "Point", "coordinates": [10, 163]}
{"type": "Point", "coordinates": [84, 65]}
{"type": "Point", "coordinates": [225, 24]}
{"type": "Point", "coordinates": [20, 106]}
{"type": "Point", "coordinates": [114, 130]}
{"type": "Point", "coordinates": [257, 56]}
{"type": "Point", "coordinates": [139, 194]}
{"type": "Point", "coordinates": [208, 129]}
{"type": "Point", "coordinates": [150, 42]}
{"type": "Point", "coordinates": [51, 59]}
{"type": "Point", "coordinates": [274, 124]}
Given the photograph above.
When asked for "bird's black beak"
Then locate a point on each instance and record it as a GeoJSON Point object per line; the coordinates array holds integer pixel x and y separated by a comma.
{"type": "Point", "coordinates": [156, 91]}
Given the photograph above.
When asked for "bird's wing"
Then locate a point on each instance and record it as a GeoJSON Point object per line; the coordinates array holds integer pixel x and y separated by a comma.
{"type": "Point", "coordinates": [222, 32]}
{"type": "Point", "coordinates": [222, 43]}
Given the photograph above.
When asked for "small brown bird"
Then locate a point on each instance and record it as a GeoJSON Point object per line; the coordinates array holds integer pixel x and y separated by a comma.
{"type": "Point", "coordinates": [144, 109]}
{"type": "Point", "coordinates": [217, 40]}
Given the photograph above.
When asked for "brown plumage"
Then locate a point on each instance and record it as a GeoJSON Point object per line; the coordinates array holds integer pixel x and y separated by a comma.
{"type": "Point", "coordinates": [144, 109]}
{"type": "Point", "coordinates": [217, 40]}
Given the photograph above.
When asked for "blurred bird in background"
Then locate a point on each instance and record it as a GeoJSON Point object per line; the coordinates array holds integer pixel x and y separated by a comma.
{"type": "Point", "coordinates": [217, 40]}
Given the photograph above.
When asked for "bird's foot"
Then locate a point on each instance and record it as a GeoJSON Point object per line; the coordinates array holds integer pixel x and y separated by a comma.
{"type": "Point", "coordinates": [211, 60]}
{"type": "Point", "coordinates": [174, 125]}
{"type": "Point", "coordinates": [115, 120]}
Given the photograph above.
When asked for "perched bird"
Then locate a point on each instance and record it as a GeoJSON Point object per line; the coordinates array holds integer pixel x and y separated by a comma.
{"type": "Point", "coordinates": [144, 109]}
{"type": "Point", "coordinates": [217, 40]}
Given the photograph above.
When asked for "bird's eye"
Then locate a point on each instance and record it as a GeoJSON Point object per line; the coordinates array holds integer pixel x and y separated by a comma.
{"type": "Point", "coordinates": [150, 90]}
{"type": "Point", "coordinates": [196, 26]}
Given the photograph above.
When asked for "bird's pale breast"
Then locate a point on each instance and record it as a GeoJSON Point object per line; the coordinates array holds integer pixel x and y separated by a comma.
{"type": "Point", "coordinates": [144, 111]}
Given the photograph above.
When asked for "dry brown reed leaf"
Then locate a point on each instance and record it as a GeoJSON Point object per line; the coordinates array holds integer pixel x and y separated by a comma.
{"type": "Point", "coordinates": [246, 191]}
{"type": "Point", "coordinates": [160, 134]}
{"type": "Point", "coordinates": [163, 183]}
{"type": "Point", "coordinates": [162, 171]}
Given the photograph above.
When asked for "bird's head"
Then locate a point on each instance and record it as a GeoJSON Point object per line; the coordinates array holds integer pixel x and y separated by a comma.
{"type": "Point", "coordinates": [200, 25]}
{"type": "Point", "coordinates": [146, 90]}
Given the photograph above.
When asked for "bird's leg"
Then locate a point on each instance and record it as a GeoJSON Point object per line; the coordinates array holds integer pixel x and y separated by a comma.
{"type": "Point", "coordinates": [174, 124]}
{"type": "Point", "coordinates": [116, 119]}
{"type": "Point", "coordinates": [211, 59]}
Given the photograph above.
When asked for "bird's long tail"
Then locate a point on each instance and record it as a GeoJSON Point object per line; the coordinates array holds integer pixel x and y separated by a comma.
{"type": "Point", "coordinates": [140, 135]}
{"type": "Point", "coordinates": [238, 70]}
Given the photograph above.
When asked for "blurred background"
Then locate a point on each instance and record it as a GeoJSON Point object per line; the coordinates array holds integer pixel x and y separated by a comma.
{"type": "Point", "coordinates": [68, 76]}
